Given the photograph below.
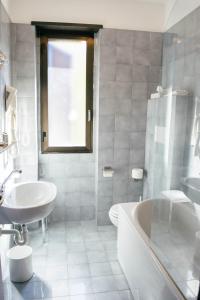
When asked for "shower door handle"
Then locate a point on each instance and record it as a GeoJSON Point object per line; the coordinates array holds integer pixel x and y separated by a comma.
{"type": "Point", "coordinates": [89, 115]}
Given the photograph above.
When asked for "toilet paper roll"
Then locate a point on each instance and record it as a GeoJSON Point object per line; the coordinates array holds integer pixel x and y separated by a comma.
{"type": "Point", "coordinates": [108, 172]}
{"type": "Point", "coordinates": [137, 174]}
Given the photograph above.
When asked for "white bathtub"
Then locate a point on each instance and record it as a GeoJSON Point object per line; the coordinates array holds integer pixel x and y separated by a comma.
{"type": "Point", "coordinates": [147, 277]}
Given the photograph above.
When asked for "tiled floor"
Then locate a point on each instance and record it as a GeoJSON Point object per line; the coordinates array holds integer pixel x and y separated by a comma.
{"type": "Point", "coordinates": [79, 262]}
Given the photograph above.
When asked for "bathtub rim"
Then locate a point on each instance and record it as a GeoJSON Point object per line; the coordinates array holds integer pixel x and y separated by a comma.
{"type": "Point", "coordinates": [133, 221]}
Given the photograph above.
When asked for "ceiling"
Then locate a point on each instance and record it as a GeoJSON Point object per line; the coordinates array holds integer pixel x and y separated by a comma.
{"type": "Point", "coordinates": [149, 15]}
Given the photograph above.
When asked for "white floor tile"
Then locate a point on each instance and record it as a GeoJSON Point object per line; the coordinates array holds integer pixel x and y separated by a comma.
{"type": "Point", "coordinates": [80, 286]}
{"type": "Point", "coordinates": [80, 264]}
{"type": "Point", "coordinates": [77, 258]}
{"type": "Point", "coordinates": [104, 284]}
{"type": "Point", "coordinates": [100, 269]}
{"type": "Point", "coordinates": [96, 256]}
{"type": "Point", "coordinates": [79, 271]}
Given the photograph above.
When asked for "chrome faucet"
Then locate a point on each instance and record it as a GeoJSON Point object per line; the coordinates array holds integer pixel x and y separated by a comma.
{"type": "Point", "coordinates": [2, 185]}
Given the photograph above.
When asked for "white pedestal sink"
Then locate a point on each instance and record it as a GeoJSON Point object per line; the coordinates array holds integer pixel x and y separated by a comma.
{"type": "Point", "coordinates": [28, 202]}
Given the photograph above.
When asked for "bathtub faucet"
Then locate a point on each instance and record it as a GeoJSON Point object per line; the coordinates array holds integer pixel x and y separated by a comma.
{"type": "Point", "coordinates": [2, 186]}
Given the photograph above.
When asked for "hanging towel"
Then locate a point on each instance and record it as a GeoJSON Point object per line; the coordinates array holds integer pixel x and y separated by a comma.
{"type": "Point", "coordinates": [11, 112]}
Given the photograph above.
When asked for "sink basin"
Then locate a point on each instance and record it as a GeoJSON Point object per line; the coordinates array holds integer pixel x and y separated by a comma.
{"type": "Point", "coordinates": [28, 202]}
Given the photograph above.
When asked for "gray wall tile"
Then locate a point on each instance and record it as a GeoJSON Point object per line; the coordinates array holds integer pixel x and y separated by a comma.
{"type": "Point", "coordinates": [108, 37]}
{"type": "Point", "coordinates": [107, 123]}
{"type": "Point", "coordinates": [25, 33]}
{"type": "Point", "coordinates": [140, 73]}
{"type": "Point", "coordinates": [124, 72]}
{"type": "Point", "coordinates": [108, 72]}
{"type": "Point", "coordinates": [142, 57]}
{"type": "Point", "coordinates": [107, 106]}
{"type": "Point", "coordinates": [141, 40]}
{"type": "Point", "coordinates": [124, 98]}
{"type": "Point", "coordinates": [139, 90]}
{"type": "Point", "coordinates": [122, 123]}
{"type": "Point", "coordinates": [123, 90]}
{"type": "Point", "coordinates": [124, 55]}
{"type": "Point", "coordinates": [87, 212]}
{"type": "Point", "coordinates": [24, 51]}
{"type": "Point", "coordinates": [74, 174]}
{"type": "Point", "coordinates": [128, 62]}
{"type": "Point", "coordinates": [124, 37]}
{"type": "Point", "coordinates": [108, 54]}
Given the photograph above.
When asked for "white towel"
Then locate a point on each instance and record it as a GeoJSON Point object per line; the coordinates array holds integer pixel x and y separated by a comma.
{"type": "Point", "coordinates": [11, 112]}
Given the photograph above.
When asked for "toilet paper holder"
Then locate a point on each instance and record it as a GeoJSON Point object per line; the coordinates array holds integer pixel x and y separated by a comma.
{"type": "Point", "coordinates": [108, 171]}
{"type": "Point", "coordinates": [137, 174]}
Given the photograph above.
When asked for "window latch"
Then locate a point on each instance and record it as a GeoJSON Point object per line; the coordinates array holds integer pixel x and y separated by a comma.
{"type": "Point", "coordinates": [44, 135]}
{"type": "Point", "coordinates": [89, 115]}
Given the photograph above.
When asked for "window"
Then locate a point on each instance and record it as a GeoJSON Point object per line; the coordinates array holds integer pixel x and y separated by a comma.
{"type": "Point", "coordinates": [66, 84]}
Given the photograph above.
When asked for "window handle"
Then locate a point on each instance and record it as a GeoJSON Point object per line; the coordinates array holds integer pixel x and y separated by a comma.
{"type": "Point", "coordinates": [89, 115]}
{"type": "Point", "coordinates": [44, 135]}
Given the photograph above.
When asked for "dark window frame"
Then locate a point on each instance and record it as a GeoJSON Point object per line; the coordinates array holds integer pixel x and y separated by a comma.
{"type": "Point", "coordinates": [88, 36]}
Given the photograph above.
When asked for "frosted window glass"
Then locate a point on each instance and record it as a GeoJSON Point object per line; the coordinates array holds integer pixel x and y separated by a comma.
{"type": "Point", "coordinates": [67, 93]}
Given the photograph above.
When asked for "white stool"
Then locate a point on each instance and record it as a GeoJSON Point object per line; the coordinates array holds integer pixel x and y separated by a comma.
{"type": "Point", "coordinates": [20, 263]}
